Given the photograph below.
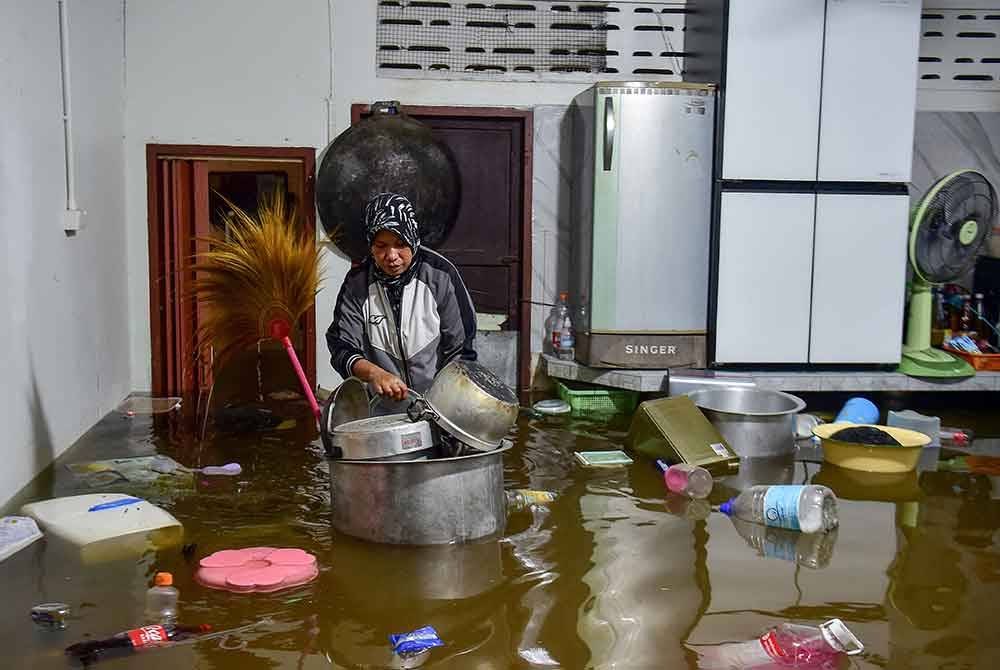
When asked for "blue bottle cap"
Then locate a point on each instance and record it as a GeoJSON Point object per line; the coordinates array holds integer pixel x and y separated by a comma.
{"type": "Point", "coordinates": [727, 507]}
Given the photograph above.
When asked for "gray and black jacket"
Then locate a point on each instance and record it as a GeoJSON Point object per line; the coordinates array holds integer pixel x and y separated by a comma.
{"type": "Point", "coordinates": [432, 322]}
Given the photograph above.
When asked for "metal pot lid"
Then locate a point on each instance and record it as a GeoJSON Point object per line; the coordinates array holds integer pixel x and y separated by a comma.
{"type": "Point", "coordinates": [376, 424]}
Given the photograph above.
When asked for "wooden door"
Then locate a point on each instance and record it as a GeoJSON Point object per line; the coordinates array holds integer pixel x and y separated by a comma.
{"type": "Point", "coordinates": [485, 243]}
{"type": "Point", "coordinates": [185, 209]}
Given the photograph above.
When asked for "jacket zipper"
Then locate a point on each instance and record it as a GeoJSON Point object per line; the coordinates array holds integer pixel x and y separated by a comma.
{"type": "Point", "coordinates": [399, 333]}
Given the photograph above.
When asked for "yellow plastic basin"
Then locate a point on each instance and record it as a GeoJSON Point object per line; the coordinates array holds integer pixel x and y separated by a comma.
{"type": "Point", "coordinates": [872, 457]}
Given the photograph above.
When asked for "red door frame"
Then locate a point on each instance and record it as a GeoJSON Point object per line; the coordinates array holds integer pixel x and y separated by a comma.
{"type": "Point", "coordinates": [162, 234]}
{"type": "Point", "coordinates": [359, 110]}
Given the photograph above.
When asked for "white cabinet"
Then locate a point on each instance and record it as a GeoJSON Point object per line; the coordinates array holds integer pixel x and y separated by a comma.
{"type": "Point", "coordinates": [765, 264]}
{"type": "Point", "coordinates": [869, 90]}
{"type": "Point", "coordinates": [820, 90]}
{"type": "Point", "coordinates": [859, 278]}
{"type": "Point", "coordinates": [774, 64]}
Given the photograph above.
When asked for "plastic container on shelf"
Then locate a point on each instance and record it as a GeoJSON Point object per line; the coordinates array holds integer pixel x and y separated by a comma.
{"type": "Point", "coordinates": [554, 324]}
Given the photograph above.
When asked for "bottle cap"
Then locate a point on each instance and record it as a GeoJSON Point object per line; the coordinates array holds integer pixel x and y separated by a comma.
{"type": "Point", "coordinates": [840, 637]}
{"type": "Point", "coordinates": [163, 579]}
{"type": "Point", "coordinates": [727, 507]}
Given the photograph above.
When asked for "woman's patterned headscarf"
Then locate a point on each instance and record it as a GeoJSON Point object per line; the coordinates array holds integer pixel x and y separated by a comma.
{"type": "Point", "coordinates": [393, 212]}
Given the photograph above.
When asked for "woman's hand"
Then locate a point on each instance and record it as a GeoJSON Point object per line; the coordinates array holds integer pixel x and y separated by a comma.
{"type": "Point", "coordinates": [387, 384]}
{"type": "Point", "coordinates": [381, 381]}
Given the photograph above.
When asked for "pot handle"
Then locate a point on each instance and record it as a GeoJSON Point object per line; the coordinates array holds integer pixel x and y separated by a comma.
{"type": "Point", "coordinates": [420, 410]}
{"type": "Point", "coordinates": [409, 392]}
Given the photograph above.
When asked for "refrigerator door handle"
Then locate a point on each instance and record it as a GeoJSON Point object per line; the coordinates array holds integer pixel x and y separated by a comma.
{"type": "Point", "coordinates": [609, 132]}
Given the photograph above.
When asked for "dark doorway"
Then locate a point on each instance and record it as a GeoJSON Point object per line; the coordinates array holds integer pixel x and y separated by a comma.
{"type": "Point", "coordinates": [186, 211]}
{"type": "Point", "coordinates": [491, 241]}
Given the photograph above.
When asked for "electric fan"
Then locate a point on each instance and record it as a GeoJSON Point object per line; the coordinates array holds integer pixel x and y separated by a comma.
{"type": "Point", "coordinates": [947, 229]}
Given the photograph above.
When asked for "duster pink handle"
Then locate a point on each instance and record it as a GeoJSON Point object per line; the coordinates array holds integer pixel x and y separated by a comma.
{"type": "Point", "coordinates": [302, 376]}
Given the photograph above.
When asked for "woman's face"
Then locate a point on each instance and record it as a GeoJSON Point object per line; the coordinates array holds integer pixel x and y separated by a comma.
{"type": "Point", "coordinates": [391, 254]}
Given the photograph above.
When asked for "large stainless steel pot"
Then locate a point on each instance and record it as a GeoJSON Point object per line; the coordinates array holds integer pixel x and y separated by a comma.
{"type": "Point", "coordinates": [438, 501]}
{"type": "Point", "coordinates": [384, 437]}
{"type": "Point", "coordinates": [754, 422]}
{"type": "Point", "coordinates": [471, 403]}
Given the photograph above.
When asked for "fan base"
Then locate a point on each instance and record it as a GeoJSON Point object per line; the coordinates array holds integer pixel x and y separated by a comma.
{"type": "Point", "coordinates": [932, 362]}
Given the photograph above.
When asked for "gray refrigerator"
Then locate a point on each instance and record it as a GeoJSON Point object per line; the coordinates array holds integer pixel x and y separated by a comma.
{"type": "Point", "coordinates": [642, 196]}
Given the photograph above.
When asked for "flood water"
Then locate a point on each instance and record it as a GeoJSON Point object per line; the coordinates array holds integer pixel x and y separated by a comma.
{"type": "Point", "coordinates": [607, 576]}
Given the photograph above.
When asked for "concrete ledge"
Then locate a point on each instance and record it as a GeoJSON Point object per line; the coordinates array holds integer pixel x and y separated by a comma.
{"type": "Point", "coordinates": [652, 381]}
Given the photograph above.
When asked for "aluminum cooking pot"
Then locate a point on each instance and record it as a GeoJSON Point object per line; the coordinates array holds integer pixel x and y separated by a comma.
{"type": "Point", "coordinates": [434, 501]}
{"type": "Point", "coordinates": [471, 403]}
{"type": "Point", "coordinates": [392, 437]}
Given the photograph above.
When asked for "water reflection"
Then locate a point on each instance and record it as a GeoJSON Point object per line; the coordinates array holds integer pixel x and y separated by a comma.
{"type": "Point", "coordinates": [383, 589]}
{"type": "Point", "coordinates": [754, 471]}
{"type": "Point", "coordinates": [612, 574]}
{"type": "Point", "coordinates": [946, 575]}
{"type": "Point", "coordinates": [810, 550]}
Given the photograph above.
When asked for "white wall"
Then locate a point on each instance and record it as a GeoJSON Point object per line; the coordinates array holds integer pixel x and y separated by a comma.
{"type": "Point", "coordinates": [224, 72]}
{"type": "Point", "coordinates": [262, 76]}
{"type": "Point", "coordinates": [64, 361]}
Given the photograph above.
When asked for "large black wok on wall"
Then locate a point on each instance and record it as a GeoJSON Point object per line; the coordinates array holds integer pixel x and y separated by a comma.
{"type": "Point", "coordinates": [388, 152]}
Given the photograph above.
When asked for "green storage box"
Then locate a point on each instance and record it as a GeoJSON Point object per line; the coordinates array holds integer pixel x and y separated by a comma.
{"type": "Point", "coordinates": [592, 399]}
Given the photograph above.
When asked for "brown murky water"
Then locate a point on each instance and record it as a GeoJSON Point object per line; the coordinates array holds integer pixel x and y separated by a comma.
{"type": "Point", "coordinates": [604, 577]}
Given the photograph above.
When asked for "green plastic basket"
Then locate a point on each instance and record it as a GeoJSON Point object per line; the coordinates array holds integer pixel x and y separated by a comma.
{"type": "Point", "coordinates": [592, 399]}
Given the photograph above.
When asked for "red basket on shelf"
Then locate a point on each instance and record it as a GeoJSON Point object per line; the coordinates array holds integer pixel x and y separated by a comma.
{"type": "Point", "coordinates": [984, 362]}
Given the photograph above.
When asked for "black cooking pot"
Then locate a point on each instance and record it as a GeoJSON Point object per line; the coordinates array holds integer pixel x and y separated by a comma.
{"type": "Point", "coordinates": [386, 153]}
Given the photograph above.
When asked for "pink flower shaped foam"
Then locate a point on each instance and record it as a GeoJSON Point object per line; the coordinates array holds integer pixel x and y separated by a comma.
{"type": "Point", "coordinates": [256, 569]}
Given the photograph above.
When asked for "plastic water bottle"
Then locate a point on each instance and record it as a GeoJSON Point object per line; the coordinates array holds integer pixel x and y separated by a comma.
{"type": "Point", "coordinates": [558, 315]}
{"type": "Point", "coordinates": [519, 499]}
{"type": "Point", "coordinates": [161, 600]}
{"type": "Point", "coordinates": [685, 479]}
{"type": "Point", "coordinates": [567, 339]}
{"type": "Point", "coordinates": [809, 509]}
{"type": "Point", "coordinates": [787, 644]}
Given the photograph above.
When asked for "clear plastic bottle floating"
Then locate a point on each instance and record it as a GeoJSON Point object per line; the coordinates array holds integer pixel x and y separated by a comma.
{"type": "Point", "coordinates": [809, 509]}
{"type": "Point", "coordinates": [788, 645]}
{"type": "Point", "coordinates": [522, 498]}
{"type": "Point", "coordinates": [685, 479]}
{"type": "Point", "coordinates": [161, 599]}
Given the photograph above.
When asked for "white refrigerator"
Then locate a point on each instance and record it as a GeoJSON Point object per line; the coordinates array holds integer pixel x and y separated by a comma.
{"type": "Point", "coordinates": [814, 151]}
